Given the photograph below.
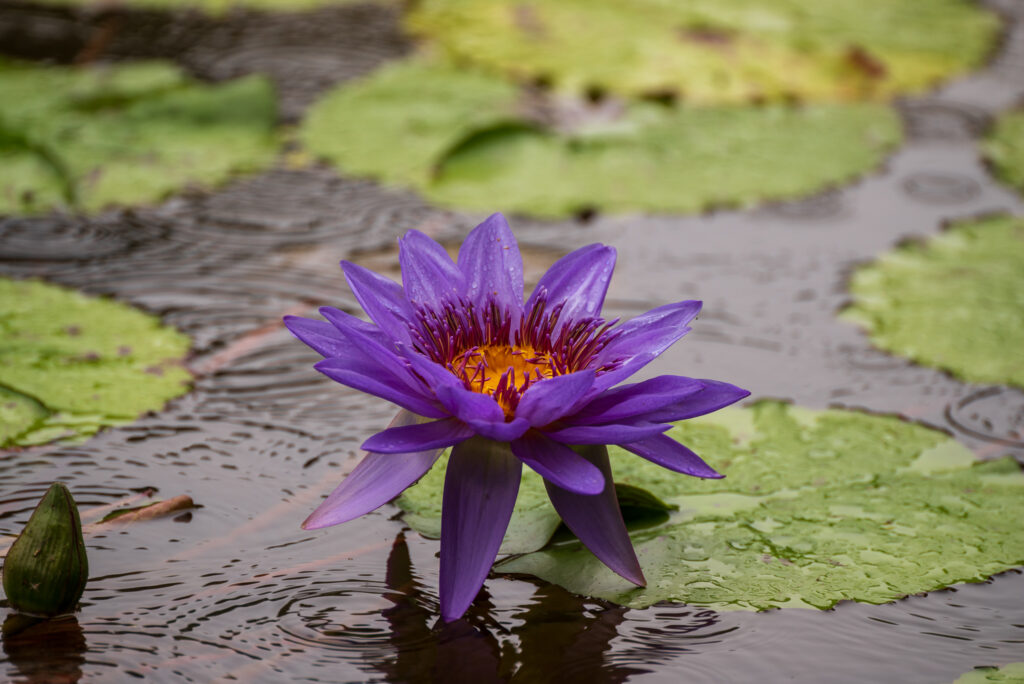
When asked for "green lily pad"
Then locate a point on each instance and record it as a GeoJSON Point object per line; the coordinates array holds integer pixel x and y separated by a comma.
{"type": "Point", "coordinates": [463, 138]}
{"type": "Point", "coordinates": [1005, 149]}
{"type": "Point", "coordinates": [817, 507]}
{"type": "Point", "coordinates": [71, 364]}
{"type": "Point", "coordinates": [717, 51]}
{"type": "Point", "coordinates": [1012, 673]}
{"type": "Point", "coordinates": [955, 302]}
{"type": "Point", "coordinates": [82, 139]}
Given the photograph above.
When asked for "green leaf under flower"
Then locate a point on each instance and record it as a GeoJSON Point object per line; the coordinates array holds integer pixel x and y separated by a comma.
{"type": "Point", "coordinates": [955, 302]}
{"type": "Point", "coordinates": [816, 507]}
{"type": "Point", "coordinates": [71, 364]}
{"type": "Point", "coordinates": [82, 139]}
{"type": "Point", "coordinates": [1011, 673]}
{"type": "Point", "coordinates": [716, 51]}
{"type": "Point", "coordinates": [463, 138]}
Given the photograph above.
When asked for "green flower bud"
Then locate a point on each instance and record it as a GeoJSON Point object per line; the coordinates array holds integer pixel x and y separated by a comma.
{"type": "Point", "coordinates": [46, 569]}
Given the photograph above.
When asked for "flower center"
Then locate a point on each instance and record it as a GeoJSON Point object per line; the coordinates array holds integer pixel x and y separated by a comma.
{"type": "Point", "coordinates": [491, 354]}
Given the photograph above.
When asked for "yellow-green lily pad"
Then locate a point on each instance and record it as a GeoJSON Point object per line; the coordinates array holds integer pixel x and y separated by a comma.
{"type": "Point", "coordinates": [816, 507]}
{"type": "Point", "coordinates": [955, 302]}
{"type": "Point", "coordinates": [1013, 673]}
{"type": "Point", "coordinates": [72, 364]}
{"type": "Point", "coordinates": [82, 139]}
{"type": "Point", "coordinates": [1005, 149]}
{"type": "Point", "coordinates": [717, 51]}
{"type": "Point", "coordinates": [468, 140]}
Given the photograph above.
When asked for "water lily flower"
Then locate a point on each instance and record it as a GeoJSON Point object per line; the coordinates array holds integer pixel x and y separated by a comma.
{"type": "Point", "coordinates": [503, 383]}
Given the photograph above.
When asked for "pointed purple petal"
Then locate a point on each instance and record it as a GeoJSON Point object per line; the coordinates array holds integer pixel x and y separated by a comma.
{"type": "Point", "coordinates": [480, 490]}
{"type": "Point", "coordinates": [645, 337]}
{"type": "Point", "coordinates": [383, 300]}
{"type": "Point", "coordinates": [580, 279]}
{"type": "Point", "coordinates": [419, 437]}
{"type": "Point", "coordinates": [668, 453]}
{"type": "Point", "coordinates": [339, 319]}
{"type": "Point", "coordinates": [549, 400]}
{"type": "Point", "coordinates": [558, 463]}
{"type": "Point", "coordinates": [713, 396]}
{"type": "Point", "coordinates": [637, 399]}
{"type": "Point", "coordinates": [428, 274]}
{"type": "Point", "coordinates": [597, 520]}
{"type": "Point", "coordinates": [356, 373]}
{"type": "Point", "coordinates": [320, 335]}
{"type": "Point", "coordinates": [493, 266]}
{"type": "Point", "coordinates": [606, 434]}
{"type": "Point", "coordinates": [377, 479]}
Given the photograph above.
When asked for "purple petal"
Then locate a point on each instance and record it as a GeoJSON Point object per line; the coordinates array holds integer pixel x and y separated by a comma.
{"type": "Point", "coordinates": [377, 479]}
{"type": "Point", "coordinates": [356, 373]}
{"type": "Point", "coordinates": [493, 266]}
{"type": "Point", "coordinates": [645, 337]}
{"type": "Point", "coordinates": [549, 400]}
{"type": "Point", "coordinates": [383, 300]}
{"type": "Point", "coordinates": [580, 279]}
{"type": "Point", "coordinates": [480, 491]}
{"type": "Point", "coordinates": [405, 438]}
{"type": "Point", "coordinates": [428, 274]}
{"type": "Point", "coordinates": [606, 434]}
{"type": "Point", "coordinates": [482, 413]}
{"type": "Point", "coordinates": [321, 336]}
{"type": "Point", "coordinates": [558, 463]}
{"type": "Point", "coordinates": [597, 520]}
{"type": "Point", "coordinates": [342, 319]}
{"type": "Point", "coordinates": [668, 453]}
{"type": "Point", "coordinates": [713, 396]}
{"type": "Point", "coordinates": [638, 399]}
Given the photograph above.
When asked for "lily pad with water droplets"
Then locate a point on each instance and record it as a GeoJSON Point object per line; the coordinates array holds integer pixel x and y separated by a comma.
{"type": "Point", "coordinates": [1005, 149]}
{"type": "Point", "coordinates": [468, 140]}
{"type": "Point", "coordinates": [816, 507]}
{"type": "Point", "coordinates": [82, 139]}
{"type": "Point", "coordinates": [716, 51]}
{"type": "Point", "coordinates": [955, 302]}
{"type": "Point", "coordinates": [71, 364]}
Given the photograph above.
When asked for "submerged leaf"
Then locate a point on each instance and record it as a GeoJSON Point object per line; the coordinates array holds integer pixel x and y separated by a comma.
{"type": "Point", "coordinates": [716, 51]}
{"type": "Point", "coordinates": [815, 508]}
{"type": "Point", "coordinates": [463, 138]}
{"type": "Point", "coordinates": [71, 364]}
{"type": "Point", "coordinates": [82, 139]}
{"type": "Point", "coordinates": [955, 302]}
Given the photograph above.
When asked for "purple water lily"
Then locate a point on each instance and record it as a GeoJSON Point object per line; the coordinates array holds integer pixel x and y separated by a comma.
{"type": "Point", "coordinates": [505, 383]}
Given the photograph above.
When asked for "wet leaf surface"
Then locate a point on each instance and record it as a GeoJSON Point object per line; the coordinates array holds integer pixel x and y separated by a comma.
{"type": "Point", "coordinates": [816, 508]}
{"type": "Point", "coordinates": [213, 6]}
{"type": "Point", "coordinates": [82, 139]}
{"type": "Point", "coordinates": [955, 302]}
{"type": "Point", "coordinates": [463, 139]}
{"type": "Point", "coordinates": [71, 364]}
{"type": "Point", "coordinates": [715, 51]}
{"type": "Point", "coordinates": [1005, 149]}
{"type": "Point", "coordinates": [1012, 673]}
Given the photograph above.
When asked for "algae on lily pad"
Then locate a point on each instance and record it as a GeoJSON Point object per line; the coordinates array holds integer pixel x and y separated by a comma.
{"type": "Point", "coordinates": [463, 139]}
{"type": "Point", "coordinates": [955, 302]}
{"type": "Point", "coordinates": [82, 139]}
{"type": "Point", "coordinates": [72, 364]}
{"type": "Point", "coordinates": [1005, 149]}
{"type": "Point", "coordinates": [717, 51]}
{"type": "Point", "coordinates": [816, 507]}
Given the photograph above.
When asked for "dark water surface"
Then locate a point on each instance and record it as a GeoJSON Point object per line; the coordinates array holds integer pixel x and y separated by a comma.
{"type": "Point", "coordinates": [235, 590]}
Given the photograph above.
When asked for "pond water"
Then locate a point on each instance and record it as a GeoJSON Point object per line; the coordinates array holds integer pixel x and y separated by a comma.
{"type": "Point", "coordinates": [235, 590]}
